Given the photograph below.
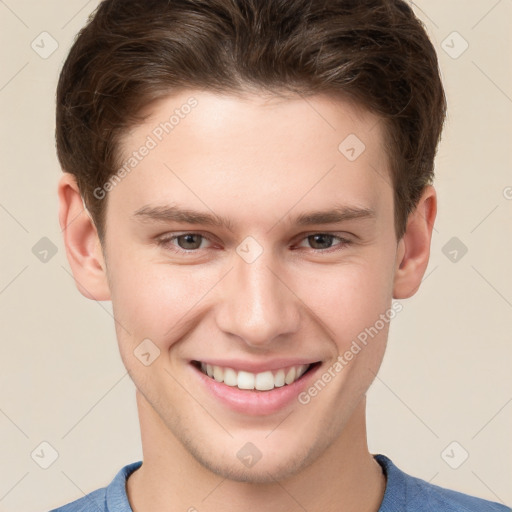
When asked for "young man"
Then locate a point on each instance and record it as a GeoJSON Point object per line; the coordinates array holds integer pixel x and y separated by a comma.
{"type": "Point", "coordinates": [257, 183]}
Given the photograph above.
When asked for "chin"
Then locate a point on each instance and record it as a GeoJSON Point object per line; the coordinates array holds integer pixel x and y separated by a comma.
{"type": "Point", "coordinates": [258, 474]}
{"type": "Point", "coordinates": [277, 466]}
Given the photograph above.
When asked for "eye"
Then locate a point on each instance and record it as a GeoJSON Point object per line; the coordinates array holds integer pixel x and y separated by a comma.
{"type": "Point", "coordinates": [192, 242]}
{"type": "Point", "coordinates": [324, 241]}
{"type": "Point", "coordinates": [185, 242]}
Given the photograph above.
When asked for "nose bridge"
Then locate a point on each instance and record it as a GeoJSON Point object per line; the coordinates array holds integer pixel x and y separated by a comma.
{"type": "Point", "coordinates": [257, 306]}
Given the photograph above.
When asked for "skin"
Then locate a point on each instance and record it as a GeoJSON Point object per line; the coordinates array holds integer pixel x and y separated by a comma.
{"type": "Point", "coordinates": [259, 161]}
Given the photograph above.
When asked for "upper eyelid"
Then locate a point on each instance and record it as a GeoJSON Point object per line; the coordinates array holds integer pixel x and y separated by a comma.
{"type": "Point", "coordinates": [177, 234]}
{"type": "Point", "coordinates": [337, 234]}
{"type": "Point", "coordinates": [174, 235]}
{"type": "Point", "coordinates": [342, 239]}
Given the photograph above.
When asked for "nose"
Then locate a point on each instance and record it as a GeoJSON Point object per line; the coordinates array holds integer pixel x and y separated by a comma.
{"type": "Point", "coordinates": [259, 305]}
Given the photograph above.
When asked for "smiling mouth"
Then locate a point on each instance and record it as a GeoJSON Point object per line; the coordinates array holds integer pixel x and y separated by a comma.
{"type": "Point", "coordinates": [263, 381]}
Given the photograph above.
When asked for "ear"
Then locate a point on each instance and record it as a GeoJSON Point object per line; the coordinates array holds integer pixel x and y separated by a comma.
{"type": "Point", "coordinates": [83, 248]}
{"type": "Point", "coordinates": [414, 247]}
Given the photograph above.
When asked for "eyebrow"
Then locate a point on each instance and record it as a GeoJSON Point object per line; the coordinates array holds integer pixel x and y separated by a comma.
{"type": "Point", "coordinates": [170, 213]}
{"type": "Point", "coordinates": [334, 215]}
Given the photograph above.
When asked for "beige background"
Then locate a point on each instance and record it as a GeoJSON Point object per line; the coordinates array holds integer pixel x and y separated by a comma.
{"type": "Point", "coordinates": [446, 376]}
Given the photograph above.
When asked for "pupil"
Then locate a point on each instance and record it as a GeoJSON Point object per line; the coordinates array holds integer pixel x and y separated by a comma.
{"type": "Point", "coordinates": [189, 241]}
{"type": "Point", "coordinates": [323, 240]}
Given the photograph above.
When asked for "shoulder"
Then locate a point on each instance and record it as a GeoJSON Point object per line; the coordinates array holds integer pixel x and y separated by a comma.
{"type": "Point", "coordinates": [438, 498]}
{"type": "Point", "coordinates": [410, 494]}
{"type": "Point", "coordinates": [112, 498]}
{"type": "Point", "coordinates": [95, 501]}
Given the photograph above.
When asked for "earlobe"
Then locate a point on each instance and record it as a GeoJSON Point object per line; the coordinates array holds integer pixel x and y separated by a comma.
{"type": "Point", "coordinates": [413, 250]}
{"type": "Point", "coordinates": [83, 248]}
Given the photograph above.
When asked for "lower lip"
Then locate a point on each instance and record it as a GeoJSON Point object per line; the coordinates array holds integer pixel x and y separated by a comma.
{"type": "Point", "coordinates": [255, 402]}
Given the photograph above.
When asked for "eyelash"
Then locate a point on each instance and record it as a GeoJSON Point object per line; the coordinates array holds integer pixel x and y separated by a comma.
{"type": "Point", "coordinates": [165, 240]}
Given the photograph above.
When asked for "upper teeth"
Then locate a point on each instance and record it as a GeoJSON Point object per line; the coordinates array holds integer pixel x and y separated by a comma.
{"type": "Point", "coordinates": [263, 381]}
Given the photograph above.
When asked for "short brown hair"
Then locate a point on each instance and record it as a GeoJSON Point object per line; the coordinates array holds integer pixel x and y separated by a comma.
{"type": "Point", "coordinates": [131, 52]}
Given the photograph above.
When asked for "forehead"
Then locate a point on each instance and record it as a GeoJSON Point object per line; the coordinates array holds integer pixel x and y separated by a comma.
{"type": "Point", "coordinates": [231, 151]}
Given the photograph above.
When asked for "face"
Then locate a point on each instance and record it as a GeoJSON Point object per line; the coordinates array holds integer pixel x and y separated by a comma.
{"type": "Point", "coordinates": [254, 240]}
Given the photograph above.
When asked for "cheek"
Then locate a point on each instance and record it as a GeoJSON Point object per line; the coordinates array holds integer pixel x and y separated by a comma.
{"type": "Point", "coordinates": [348, 298]}
{"type": "Point", "coordinates": [152, 299]}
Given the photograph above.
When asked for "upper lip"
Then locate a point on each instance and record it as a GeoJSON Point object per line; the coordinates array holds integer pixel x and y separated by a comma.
{"type": "Point", "coordinates": [257, 367]}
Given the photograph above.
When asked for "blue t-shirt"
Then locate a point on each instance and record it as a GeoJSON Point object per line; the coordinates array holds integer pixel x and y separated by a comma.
{"type": "Point", "coordinates": [404, 493]}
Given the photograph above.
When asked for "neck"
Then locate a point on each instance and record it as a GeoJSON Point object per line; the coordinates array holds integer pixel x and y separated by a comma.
{"type": "Point", "coordinates": [170, 479]}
